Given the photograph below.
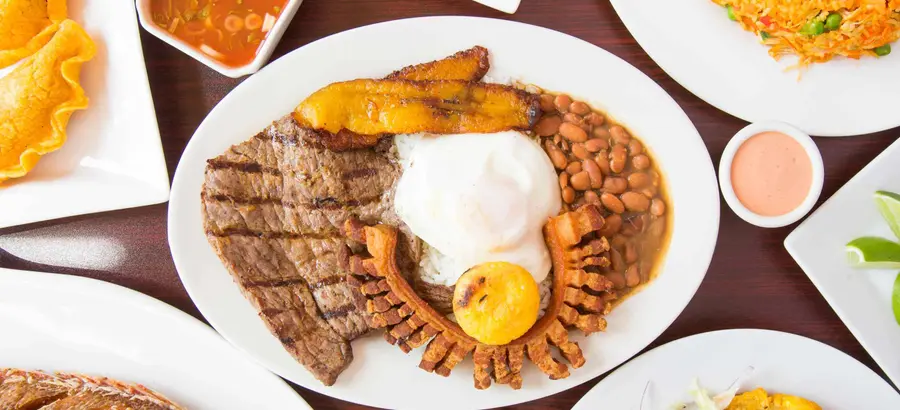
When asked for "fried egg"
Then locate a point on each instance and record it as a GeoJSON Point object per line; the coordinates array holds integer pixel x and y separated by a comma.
{"type": "Point", "coordinates": [477, 198]}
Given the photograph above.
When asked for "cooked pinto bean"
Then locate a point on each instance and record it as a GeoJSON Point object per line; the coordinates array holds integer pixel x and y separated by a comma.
{"type": "Point", "coordinates": [557, 157]}
{"type": "Point", "coordinates": [632, 276]}
{"type": "Point", "coordinates": [635, 147]}
{"type": "Point", "coordinates": [641, 161]}
{"type": "Point", "coordinates": [649, 191]}
{"type": "Point", "coordinates": [618, 158]}
{"type": "Point", "coordinates": [600, 132]}
{"type": "Point", "coordinates": [572, 132]}
{"type": "Point", "coordinates": [594, 172]}
{"type": "Point", "coordinates": [617, 262]}
{"type": "Point", "coordinates": [580, 151]}
{"type": "Point", "coordinates": [611, 226]}
{"type": "Point", "coordinates": [612, 203]}
{"type": "Point", "coordinates": [619, 135]}
{"type": "Point", "coordinates": [563, 180]}
{"type": "Point", "coordinates": [617, 279]}
{"type": "Point", "coordinates": [635, 202]}
{"type": "Point", "coordinates": [639, 180]}
{"type": "Point", "coordinates": [618, 242]}
{"type": "Point", "coordinates": [596, 144]}
{"type": "Point", "coordinates": [573, 168]}
{"type": "Point", "coordinates": [573, 118]}
{"type": "Point", "coordinates": [631, 255]}
{"type": "Point", "coordinates": [562, 103]}
{"type": "Point", "coordinates": [591, 197]}
{"type": "Point", "coordinates": [548, 125]}
{"type": "Point", "coordinates": [602, 160]}
{"type": "Point", "coordinates": [547, 104]}
{"type": "Point", "coordinates": [657, 207]}
{"type": "Point", "coordinates": [595, 119]}
{"type": "Point", "coordinates": [579, 108]}
{"type": "Point", "coordinates": [580, 181]}
{"type": "Point", "coordinates": [568, 195]}
{"type": "Point", "coordinates": [615, 185]}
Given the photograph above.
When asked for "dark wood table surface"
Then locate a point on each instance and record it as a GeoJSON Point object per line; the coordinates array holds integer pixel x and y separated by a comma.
{"type": "Point", "coordinates": [752, 281]}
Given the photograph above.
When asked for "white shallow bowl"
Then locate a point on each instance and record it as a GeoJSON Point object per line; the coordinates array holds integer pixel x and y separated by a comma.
{"type": "Point", "coordinates": [860, 297]}
{"type": "Point", "coordinates": [112, 158]}
{"type": "Point", "coordinates": [782, 363]}
{"type": "Point", "coordinates": [815, 189]}
{"type": "Point", "coordinates": [70, 324]}
{"type": "Point", "coordinates": [262, 56]}
{"type": "Point", "coordinates": [714, 58]}
{"type": "Point", "coordinates": [380, 374]}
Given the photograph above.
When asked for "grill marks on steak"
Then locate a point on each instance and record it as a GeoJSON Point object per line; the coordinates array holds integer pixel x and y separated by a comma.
{"type": "Point", "coordinates": [273, 208]}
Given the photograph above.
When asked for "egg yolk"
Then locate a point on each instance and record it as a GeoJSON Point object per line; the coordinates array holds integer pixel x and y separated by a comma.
{"type": "Point", "coordinates": [496, 302]}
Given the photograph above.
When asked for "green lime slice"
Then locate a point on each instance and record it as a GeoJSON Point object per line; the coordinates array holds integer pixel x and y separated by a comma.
{"type": "Point", "coordinates": [889, 205]}
{"type": "Point", "coordinates": [873, 252]}
{"type": "Point", "coordinates": [895, 299]}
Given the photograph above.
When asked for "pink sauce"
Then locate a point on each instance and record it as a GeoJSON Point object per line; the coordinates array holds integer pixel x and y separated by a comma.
{"type": "Point", "coordinates": [771, 174]}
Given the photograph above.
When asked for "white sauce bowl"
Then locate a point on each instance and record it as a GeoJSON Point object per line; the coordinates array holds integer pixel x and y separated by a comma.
{"type": "Point", "coordinates": [815, 189]}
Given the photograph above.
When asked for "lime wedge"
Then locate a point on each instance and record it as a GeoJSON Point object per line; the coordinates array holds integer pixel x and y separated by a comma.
{"type": "Point", "coordinates": [873, 252]}
{"type": "Point", "coordinates": [889, 205]}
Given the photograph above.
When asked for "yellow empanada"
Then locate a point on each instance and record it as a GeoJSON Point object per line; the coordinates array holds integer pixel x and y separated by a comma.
{"type": "Point", "coordinates": [38, 97]}
{"type": "Point", "coordinates": [26, 25]}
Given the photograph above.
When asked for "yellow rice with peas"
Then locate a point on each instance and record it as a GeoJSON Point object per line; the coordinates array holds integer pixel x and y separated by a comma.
{"type": "Point", "coordinates": [818, 30]}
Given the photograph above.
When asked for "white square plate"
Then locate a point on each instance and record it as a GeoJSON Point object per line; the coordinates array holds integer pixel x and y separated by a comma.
{"type": "Point", "coordinates": [113, 158]}
{"type": "Point", "coordinates": [861, 298]}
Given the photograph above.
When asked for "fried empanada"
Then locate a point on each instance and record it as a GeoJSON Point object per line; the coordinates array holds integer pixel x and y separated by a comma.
{"type": "Point", "coordinates": [39, 96]}
{"type": "Point", "coordinates": [26, 26]}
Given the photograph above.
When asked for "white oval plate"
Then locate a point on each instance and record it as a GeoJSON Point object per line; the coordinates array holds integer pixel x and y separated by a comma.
{"type": "Point", "coordinates": [782, 363]}
{"type": "Point", "coordinates": [381, 375]}
{"type": "Point", "coordinates": [66, 323]}
{"type": "Point", "coordinates": [714, 58]}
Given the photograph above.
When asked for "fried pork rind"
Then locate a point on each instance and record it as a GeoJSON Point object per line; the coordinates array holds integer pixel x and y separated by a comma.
{"type": "Point", "coordinates": [38, 97]}
{"type": "Point", "coordinates": [466, 65]}
{"type": "Point", "coordinates": [26, 26]}
{"type": "Point", "coordinates": [580, 298]}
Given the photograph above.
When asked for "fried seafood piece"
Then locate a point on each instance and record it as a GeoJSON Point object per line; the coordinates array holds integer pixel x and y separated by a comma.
{"type": "Point", "coordinates": [580, 298]}
{"type": "Point", "coordinates": [26, 390]}
{"type": "Point", "coordinates": [356, 114]}
{"type": "Point", "coordinates": [466, 65]}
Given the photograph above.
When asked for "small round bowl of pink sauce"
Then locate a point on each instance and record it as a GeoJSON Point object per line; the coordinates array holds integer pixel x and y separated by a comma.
{"type": "Point", "coordinates": [771, 174]}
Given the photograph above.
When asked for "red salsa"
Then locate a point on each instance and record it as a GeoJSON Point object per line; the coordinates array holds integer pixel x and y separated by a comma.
{"type": "Point", "coordinates": [230, 31]}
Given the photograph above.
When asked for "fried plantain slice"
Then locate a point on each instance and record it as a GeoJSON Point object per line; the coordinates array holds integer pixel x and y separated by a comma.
{"type": "Point", "coordinates": [373, 107]}
{"type": "Point", "coordinates": [468, 65]}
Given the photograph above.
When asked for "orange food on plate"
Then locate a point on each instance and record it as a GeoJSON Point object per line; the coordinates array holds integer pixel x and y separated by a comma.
{"type": "Point", "coordinates": [26, 25]}
{"type": "Point", "coordinates": [230, 31]}
{"type": "Point", "coordinates": [38, 97]}
{"type": "Point", "coordinates": [496, 302]}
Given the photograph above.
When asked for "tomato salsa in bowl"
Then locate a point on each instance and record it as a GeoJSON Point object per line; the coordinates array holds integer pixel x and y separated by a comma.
{"type": "Point", "coordinates": [233, 37]}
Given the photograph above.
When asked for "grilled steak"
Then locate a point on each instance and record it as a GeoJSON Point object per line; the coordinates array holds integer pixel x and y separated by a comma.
{"type": "Point", "coordinates": [30, 390]}
{"type": "Point", "coordinates": [273, 208]}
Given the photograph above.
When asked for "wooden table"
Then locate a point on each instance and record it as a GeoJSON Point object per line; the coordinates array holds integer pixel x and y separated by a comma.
{"type": "Point", "coordinates": [752, 281]}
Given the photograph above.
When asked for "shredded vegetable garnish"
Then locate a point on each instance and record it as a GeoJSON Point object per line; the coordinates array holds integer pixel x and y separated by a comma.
{"type": "Point", "coordinates": [819, 30]}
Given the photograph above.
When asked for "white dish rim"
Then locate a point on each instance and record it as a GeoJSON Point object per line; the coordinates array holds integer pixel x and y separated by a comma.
{"type": "Point", "coordinates": [81, 285]}
{"type": "Point", "coordinates": [815, 189]}
{"type": "Point", "coordinates": [262, 56]}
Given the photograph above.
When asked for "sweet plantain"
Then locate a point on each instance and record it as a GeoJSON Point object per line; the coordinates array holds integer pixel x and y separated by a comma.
{"type": "Point", "coordinates": [374, 107]}
{"type": "Point", "coordinates": [469, 65]}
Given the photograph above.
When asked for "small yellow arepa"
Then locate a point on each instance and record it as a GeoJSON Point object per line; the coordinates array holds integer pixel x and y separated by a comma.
{"type": "Point", "coordinates": [496, 302]}
{"type": "Point", "coordinates": [38, 97]}
{"type": "Point", "coordinates": [26, 25]}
